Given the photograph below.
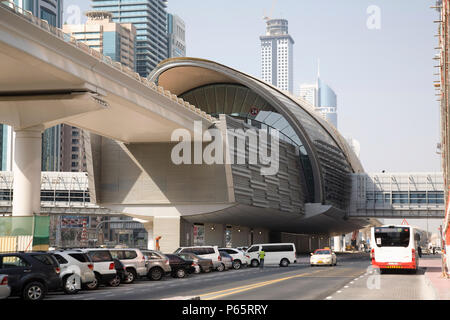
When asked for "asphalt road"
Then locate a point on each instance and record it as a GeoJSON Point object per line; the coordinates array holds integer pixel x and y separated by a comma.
{"type": "Point", "coordinates": [296, 282]}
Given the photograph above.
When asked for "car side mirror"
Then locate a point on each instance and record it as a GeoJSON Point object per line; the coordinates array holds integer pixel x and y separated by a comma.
{"type": "Point", "coordinates": [312, 253]}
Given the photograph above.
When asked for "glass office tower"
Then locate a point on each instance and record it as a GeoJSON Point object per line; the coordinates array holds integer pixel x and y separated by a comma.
{"type": "Point", "coordinates": [150, 19]}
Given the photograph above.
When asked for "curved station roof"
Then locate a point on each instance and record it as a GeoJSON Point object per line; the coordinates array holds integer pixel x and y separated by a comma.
{"type": "Point", "coordinates": [326, 158]}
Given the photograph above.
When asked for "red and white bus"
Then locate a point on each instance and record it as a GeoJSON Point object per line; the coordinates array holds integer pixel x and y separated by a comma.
{"type": "Point", "coordinates": [395, 247]}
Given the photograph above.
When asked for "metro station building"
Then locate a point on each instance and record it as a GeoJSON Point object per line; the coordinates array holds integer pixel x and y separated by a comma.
{"type": "Point", "coordinates": [232, 204]}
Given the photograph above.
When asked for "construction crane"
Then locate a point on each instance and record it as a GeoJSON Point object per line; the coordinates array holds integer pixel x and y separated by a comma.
{"type": "Point", "coordinates": [268, 17]}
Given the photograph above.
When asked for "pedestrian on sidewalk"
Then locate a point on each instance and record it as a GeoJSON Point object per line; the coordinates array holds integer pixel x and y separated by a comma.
{"type": "Point", "coordinates": [262, 255]}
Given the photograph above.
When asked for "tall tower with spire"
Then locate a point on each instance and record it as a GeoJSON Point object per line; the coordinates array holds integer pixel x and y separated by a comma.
{"type": "Point", "coordinates": [322, 97]}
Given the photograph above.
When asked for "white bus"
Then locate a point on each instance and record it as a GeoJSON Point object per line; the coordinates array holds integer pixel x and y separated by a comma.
{"type": "Point", "coordinates": [276, 254]}
{"type": "Point", "coordinates": [395, 247]}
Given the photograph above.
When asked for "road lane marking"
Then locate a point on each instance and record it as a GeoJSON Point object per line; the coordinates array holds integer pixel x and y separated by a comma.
{"type": "Point", "coordinates": [227, 292]}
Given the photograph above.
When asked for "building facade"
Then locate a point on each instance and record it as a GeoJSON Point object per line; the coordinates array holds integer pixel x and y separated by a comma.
{"type": "Point", "coordinates": [49, 10]}
{"type": "Point", "coordinates": [150, 19]}
{"type": "Point", "coordinates": [323, 98]}
{"type": "Point", "coordinates": [277, 55]}
{"type": "Point", "coordinates": [443, 92]}
{"type": "Point", "coordinates": [176, 30]}
{"type": "Point", "coordinates": [115, 40]}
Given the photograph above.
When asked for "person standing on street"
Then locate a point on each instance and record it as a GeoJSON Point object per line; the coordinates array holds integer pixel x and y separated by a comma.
{"type": "Point", "coordinates": [262, 255]}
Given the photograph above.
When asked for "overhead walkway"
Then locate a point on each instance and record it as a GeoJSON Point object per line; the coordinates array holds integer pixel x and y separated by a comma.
{"type": "Point", "coordinates": [397, 195]}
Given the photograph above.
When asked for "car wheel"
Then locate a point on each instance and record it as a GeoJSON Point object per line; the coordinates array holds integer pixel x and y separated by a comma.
{"type": "Point", "coordinates": [237, 265]}
{"type": "Point", "coordinates": [34, 291]}
{"type": "Point", "coordinates": [155, 274]}
{"type": "Point", "coordinates": [130, 276]}
{"type": "Point", "coordinates": [180, 273]}
{"type": "Point", "coordinates": [94, 284]}
{"type": "Point", "coordinates": [69, 285]}
{"type": "Point", "coordinates": [115, 282]}
{"type": "Point", "coordinates": [221, 267]}
{"type": "Point", "coordinates": [284, 263]}
{"type": "Point", "coordinates": [255, 263]}
{"type": "Point", "coordinates": [206, 270]}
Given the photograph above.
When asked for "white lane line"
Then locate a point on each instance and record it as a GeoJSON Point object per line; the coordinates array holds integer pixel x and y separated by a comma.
{"type": "Point", "coordinates": [328, 298]}
{"type": "Point", "coordinates": [346, 287]}
{"type": "Point", "coordinates": [339, 291]}
{"type": "Point", "coordinates": [352, 282]}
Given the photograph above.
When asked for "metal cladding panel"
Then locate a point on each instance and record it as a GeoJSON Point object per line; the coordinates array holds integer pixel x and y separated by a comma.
{"type": "Point", "coordinates": [282, 191]}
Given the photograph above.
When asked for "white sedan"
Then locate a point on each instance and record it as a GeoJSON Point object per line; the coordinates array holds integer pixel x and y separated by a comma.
{"type": "Point", "coordinates": [5, 290]}
{"type": "Point", "coordinates": [323, 257]}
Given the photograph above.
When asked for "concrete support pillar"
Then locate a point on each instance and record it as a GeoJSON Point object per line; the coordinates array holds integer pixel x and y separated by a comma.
{"type": "Point", "coordinates": [168, 228]}
{"type": "Point", "coordinates": [27, 172]}
{"type": "Point", "coordinates": [150, 237]}
{"type": "Point", "coordinates": [337, 243]}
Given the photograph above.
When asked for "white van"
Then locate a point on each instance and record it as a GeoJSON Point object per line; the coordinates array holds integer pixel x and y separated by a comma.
{"type": "Point", "coordinates": [281, 254]}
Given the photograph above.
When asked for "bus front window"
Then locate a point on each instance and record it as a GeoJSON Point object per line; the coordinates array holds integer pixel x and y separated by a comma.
{"type": "Point", "coordinates": [392, 237]}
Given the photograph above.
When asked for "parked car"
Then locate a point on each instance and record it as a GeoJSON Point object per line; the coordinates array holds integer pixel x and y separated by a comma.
{"type": "Point", "coordinates": [281, 254]}
{"type": "Point", "coordinates": [205, 252]}
{"type": "Point", "coordinates": [157, 264]}
{"type": "Point", "coordinates": [204, 265]}
{"type": "Point", "coordinates": [134, 261]}
{"type": "Point", "coordinates": [180, 267]}
{"type": "Point", "coordinates": [104, 268]}
{"type": "Point", "coordinates": [121, 273]}
{"type": "Point", "coordinates": [239, 257]}
{"type": "Point", "coordinates": [5, 290]}
{"type": "Point", "coordinates": [227, 261]}
{"type": "Point", "coordinates": [31, 275]}
{"type": "Point", "coordinates": [243, 249]}
{"type": "Point", "coordinates": [323, 257]}
{"type": "Point", "coordinates": [77, 269]}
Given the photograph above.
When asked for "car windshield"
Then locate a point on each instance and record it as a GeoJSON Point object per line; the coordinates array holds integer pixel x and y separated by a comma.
{"type": "Point", "coordinates": [323, 252]}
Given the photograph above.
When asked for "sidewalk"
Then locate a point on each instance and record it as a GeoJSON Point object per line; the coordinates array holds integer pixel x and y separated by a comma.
{"type": "Point", "coordinates": [433, 274]}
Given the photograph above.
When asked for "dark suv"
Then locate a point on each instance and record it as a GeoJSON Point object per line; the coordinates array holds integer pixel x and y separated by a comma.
{"type": "Point", "coordinates": [31, 275]}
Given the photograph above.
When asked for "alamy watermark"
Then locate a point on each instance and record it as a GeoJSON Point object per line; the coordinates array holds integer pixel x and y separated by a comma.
{"type": "Point", "coordinates": [238, 146]}
{"type": "Point", "coordinates": [73, 14]}
{"type": "Point", "coordinates": [374, 19]}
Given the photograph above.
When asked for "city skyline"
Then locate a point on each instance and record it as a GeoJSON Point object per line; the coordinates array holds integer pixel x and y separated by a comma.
{"type": "Point", "coordinates": [363, 65]}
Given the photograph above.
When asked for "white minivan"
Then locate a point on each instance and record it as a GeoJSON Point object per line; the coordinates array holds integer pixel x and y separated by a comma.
{"type": "Point", "coordinates": [281, 254]}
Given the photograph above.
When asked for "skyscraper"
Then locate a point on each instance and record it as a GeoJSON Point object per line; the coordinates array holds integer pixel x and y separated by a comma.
{"type": "Point", "coordinates": [116, 40]}
{"type": "Point", "coordinates": [52, 12]}
{"type": "Point", "coordinates": [322, 97]}
{"type": "Point", "coordinates": [150, 19]}
{"type": "Point", "coordinates": [277, 49]}
{"type": "Point", "coordinates": [176, 31]}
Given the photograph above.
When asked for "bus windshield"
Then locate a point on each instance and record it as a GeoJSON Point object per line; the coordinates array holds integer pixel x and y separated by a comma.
{"type": "Point", "coordinates": [392, 237]}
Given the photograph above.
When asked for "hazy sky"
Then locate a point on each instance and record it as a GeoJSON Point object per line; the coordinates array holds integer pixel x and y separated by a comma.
{"type": "Point", "coordinates": [383, 77]}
